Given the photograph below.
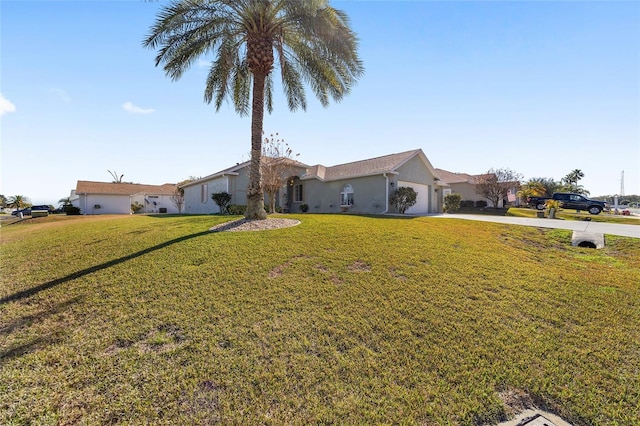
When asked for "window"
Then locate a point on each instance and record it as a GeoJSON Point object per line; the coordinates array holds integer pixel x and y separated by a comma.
{"type": "Point", "coordinates": [203, 193]}
{"type": "Point", "coordinates": [297, 193]}
{"type": "Point", "coordinates": [346, 196]}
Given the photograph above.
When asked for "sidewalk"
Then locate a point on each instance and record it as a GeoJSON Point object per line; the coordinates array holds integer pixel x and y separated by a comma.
{"type": "Point", "coordinates": [632, 231]}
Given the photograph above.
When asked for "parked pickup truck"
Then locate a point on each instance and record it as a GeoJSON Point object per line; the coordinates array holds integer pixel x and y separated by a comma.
{"type": "Point", "coordinates": [570, 201]}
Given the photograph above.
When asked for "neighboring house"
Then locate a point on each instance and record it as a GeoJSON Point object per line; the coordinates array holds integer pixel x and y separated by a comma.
{"type": "Point", "coordinates": [358, 187]}
{"type": "Point", "coordinates": [461, 183]}
{"type": "Point", "coordinates": [117, 198]}
{"type": "Point", "coordinates": [234, 180]}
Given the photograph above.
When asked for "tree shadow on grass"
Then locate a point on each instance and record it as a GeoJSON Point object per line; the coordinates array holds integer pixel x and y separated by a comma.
{"type": "Point", "coordinates": [45, 286]}
{"type": "Point", "coordinates": [17, 324]}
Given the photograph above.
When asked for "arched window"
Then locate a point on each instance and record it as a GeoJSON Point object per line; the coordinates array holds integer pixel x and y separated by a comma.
{"type": "Point", "coordinates": [346, 196]}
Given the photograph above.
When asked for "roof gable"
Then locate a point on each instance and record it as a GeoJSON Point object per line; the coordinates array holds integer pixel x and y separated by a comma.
{"type": "Point", "coordinates": [451, 177]}
{"type": "Point", "coordinates": [372, 166]}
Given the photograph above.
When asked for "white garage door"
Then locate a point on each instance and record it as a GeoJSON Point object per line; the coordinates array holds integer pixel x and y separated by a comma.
{"type": "Point", "coordinates": [422, 201]}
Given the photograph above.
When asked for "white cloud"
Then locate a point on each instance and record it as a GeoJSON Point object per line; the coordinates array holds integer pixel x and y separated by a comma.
{"type": "Point", "coordinates": [131, 108]}
{"type": "Point", "coordinates": [204, 64]}
{"type": "Point", "coordinates": [60, 93]}
{"type": "Point", "coordinates": [6, 105]}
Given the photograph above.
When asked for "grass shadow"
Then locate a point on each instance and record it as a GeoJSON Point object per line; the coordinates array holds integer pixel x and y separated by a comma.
{"type": "Point", "coordinates": [17, 324]}
{"type": "Point", "coordinates": [53, 283]}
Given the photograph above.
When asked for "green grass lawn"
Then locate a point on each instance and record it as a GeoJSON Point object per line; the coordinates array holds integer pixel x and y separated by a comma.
{"type": "Point", "coordinates": [340, 320]}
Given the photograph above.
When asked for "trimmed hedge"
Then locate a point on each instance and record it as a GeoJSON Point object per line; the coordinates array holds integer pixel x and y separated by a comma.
{"type": "Point", "coordinates": [236, 209]}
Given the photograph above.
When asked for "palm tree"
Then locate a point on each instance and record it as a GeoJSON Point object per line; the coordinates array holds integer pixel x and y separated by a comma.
{"type": "Point", "coordinates": [64, 202]}
{"type": "Point", "coordinates": [309, 41]}
{"type": "Point", "coordinates": [574, 176]}
{"type": "Point", "coordinates": [17, 202]}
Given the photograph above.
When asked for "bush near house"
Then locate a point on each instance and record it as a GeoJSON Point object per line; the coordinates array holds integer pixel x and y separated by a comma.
{"type": "Point", "coordinates": [222, 199]}
{"type": "Point", "coordinates": [71, 210]}
{"type": "Point", "coordinates": [136, 207]}
{"type": "Point", "coordinates": [236, 209]}
{"type": "Point", "coordinates": [452, 203]}
{"type": "Point", "coordinates": [403, 198]}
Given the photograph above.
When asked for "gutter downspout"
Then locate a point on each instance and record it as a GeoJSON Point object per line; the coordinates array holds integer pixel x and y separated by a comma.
{"type": "Point", "coordinates": [386, 193]}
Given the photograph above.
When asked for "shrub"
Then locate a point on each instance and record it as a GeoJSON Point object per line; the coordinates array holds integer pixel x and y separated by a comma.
{"type": "Point", "coordinates": [222, 199]}
{"type": "Point", "coordinates": [136, 207]}
{"type": "Point", "coordinates": [452, 202]}
{"type": "Point", "coordinates": [72, 210]}
{"type": "Point", "coordinates": [403, 198]}
{"type": "Point", "coordinates": [481, 204]}
{"type": "Point", "coordinates": [304, 208]}
{"type": "Point", "coordinates": [467, 204]}
{"type": "Point", "coordinates": [236, 209]}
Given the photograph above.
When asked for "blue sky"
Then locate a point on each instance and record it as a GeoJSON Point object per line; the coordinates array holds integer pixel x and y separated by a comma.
{"type": "Point", "coordinates": [540, 87]}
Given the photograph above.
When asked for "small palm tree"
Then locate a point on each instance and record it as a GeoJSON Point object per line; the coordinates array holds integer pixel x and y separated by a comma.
{"type": "Point", "coordinates": [309, 41]}
{"type": "Point", "coordinates": [17, 202]}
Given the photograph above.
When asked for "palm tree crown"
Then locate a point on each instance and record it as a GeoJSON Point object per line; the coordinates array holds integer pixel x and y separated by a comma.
{"type": "Point", "coordinates": [17, 201]}
{"type": "Point", "coordinates": [309, 41]}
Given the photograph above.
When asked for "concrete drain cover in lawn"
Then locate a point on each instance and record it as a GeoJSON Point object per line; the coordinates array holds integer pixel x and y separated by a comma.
{"type": "Point", "coordinates": [587, 239]}
{"type": "Point", "coordinates": [535, 418]}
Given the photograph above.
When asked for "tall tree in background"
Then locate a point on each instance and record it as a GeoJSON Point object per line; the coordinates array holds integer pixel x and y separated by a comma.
{"type": "Point", "coordinates": [3, 201]}
{"type": "Point", "coordinates": [276, 167]}
{"type": "Point", "coordinates": [115, 177]}
{"type": "Point", "coordinates": [309, 41]}
{"type": "Point", "coordinates": [571, 180]}
{"type": "Point", "coordinates": [496, 183]}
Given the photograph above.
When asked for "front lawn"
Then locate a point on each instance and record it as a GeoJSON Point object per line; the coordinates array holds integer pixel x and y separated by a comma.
{"type": "Point", "coordinates": [339, 320]}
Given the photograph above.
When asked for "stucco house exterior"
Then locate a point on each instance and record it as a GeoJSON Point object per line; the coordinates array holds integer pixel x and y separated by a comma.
{"type": "Point", "coordinates": [116, 198]}
{"type": "Point", "coordinates": [233, 180]}
{"type": "Point", "coordinates": [460, 183]}
{"type": "Point", "coordinates": [465, 185]}
{"type": "Point", "coordinates": [357, 187]}
{"type": "Point", "coordinates": [365, 186]}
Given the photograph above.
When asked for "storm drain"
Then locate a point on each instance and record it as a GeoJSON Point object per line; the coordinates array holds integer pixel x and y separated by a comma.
{"type": "Point", "coordinates": [587, 239]}
{"type": "Point", "coordinates": [537, 420]}
{"type": "Point", "coordinates": [536, 417]}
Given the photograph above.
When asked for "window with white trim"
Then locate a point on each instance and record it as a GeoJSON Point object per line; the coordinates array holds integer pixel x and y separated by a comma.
{"type": "Point", "coordinates": [203, 193]}
{"type": "Point", "coordinates": [297, 193]}
{"type": "Point", "coordinates": [346, 196]}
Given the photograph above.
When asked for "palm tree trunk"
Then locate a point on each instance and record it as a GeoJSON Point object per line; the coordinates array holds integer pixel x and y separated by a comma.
{"type": "Point", "coordinates": [255, 194]}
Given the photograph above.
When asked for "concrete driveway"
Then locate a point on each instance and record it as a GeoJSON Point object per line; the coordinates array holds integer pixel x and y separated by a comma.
{"type": "Point", "coordinates": [632, 231]}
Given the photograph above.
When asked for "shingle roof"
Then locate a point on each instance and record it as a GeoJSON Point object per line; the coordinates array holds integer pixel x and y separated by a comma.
{"type": "Point", "coordinates": [372, 166]}
{"type": "Point", "coordinates": [89, 187]}
{"type": "Point", "coordinates": [451, 177]}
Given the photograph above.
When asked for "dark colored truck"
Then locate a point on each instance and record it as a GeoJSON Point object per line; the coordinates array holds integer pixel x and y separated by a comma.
{"type": "Point", "coordinates": [570, 201]}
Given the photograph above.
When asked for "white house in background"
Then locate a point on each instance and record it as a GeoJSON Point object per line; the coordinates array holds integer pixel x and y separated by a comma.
{"type": "Point", "coordinates": [117, 198]}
